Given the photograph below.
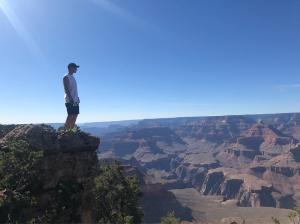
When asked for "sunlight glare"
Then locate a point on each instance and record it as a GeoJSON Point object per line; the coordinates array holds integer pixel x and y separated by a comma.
{"type": "Point", "coordinates": [20, 29]}
{"type": "Point", "coordinates": [122, 13]}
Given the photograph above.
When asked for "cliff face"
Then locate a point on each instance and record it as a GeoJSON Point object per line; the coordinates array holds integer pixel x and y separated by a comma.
{"type": "Point", "coordinates": [253, 160]}
{"type": "Point", "coordinates": [157, 202]}
{"type": "Point", "coordinates": [67, 156]}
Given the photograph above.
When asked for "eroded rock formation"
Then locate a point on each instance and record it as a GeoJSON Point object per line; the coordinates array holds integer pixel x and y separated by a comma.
{"type": "Point", "coordinates": [253, 159]}
{"type": "Point", "coordinates": [66, 156]}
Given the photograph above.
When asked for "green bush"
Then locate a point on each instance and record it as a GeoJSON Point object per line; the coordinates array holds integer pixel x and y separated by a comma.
{"type": "Point", "coordinates": [19, 183]}
{"type": "Point", "coordinates": [170, 218]}
{"type": "Point", "coordinates": [116, 196]}
{"type": "Point", "coordinates": [66, 203]}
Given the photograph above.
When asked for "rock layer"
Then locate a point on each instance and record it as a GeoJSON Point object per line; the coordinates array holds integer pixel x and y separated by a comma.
{"type": "Point", "coordinates": [252, 159]}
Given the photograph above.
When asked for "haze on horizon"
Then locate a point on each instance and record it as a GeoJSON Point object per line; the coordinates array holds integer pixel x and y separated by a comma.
{"type": "Point", "coordinates": [149, 59]}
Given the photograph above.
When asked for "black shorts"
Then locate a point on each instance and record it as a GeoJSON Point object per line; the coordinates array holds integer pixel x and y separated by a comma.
{"type": "Point", "coordinates": [72, 110]}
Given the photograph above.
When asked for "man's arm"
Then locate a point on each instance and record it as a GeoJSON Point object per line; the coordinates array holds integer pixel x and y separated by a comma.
{"type": "Point", "coordinates": [67, 89]}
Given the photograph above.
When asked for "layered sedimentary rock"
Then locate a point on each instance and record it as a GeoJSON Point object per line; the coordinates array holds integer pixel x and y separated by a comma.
{"type": "Point", "coordinates": [252, 159]}
{"type": "Point", "coordinates": [247, 189]}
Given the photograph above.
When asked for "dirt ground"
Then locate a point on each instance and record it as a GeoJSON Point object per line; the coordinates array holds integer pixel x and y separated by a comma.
{"type": "Point", "coordinates": [206, 209]}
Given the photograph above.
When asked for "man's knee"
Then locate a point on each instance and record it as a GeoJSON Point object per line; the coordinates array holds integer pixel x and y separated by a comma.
{"type": "Point", "coordinates": [72, 116]}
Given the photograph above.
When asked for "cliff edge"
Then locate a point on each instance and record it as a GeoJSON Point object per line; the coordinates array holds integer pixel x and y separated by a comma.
{"type": "Point", "coordinates": [68, 165]}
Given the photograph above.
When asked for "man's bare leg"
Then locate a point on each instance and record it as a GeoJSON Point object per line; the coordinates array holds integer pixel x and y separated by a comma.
{"type": "Point", "coordinates": [68, 122]}
{"type": "Point", "coordinates": [73, 121]}
{"type": "Point", "coordinates": [75, 118]}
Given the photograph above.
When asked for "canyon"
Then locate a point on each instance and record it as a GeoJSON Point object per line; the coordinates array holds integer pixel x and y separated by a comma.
{"type": "Point", "coordinates": [248, 161]}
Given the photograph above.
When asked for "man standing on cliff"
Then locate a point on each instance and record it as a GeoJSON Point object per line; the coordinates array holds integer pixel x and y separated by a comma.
{"type": "Point", "coordinates": [71, 96]}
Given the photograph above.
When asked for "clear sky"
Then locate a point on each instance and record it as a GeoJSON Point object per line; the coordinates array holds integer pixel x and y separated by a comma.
{"type": "Point", "coordinates": [149, 58]}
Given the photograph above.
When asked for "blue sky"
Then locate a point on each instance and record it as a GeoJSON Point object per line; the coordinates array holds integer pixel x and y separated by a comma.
{"type": "Point", "coordinates": [149, 58]}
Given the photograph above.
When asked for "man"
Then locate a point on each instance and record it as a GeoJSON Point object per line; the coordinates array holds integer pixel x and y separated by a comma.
{"type": "Point", "coordinates": [71, 96]}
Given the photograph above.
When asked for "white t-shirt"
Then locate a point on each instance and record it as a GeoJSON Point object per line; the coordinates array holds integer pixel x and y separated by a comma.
{"type": "Point", "coordinates": [73, 89]}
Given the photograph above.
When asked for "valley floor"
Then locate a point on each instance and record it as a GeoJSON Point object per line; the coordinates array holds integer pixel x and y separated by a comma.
{"type": "Point", "coordinates": [206, 209]}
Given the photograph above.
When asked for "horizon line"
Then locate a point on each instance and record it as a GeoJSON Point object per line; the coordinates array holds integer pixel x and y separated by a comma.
{"type": "Point", "coordinates": [155, 118]}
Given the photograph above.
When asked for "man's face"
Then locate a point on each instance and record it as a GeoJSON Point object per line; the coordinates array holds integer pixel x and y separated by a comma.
{"type": "Point", "coordinates": [73, 69]}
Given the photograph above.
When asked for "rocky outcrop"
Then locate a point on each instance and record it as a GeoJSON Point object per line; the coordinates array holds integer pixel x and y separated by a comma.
{"type": "Point", "coordinates": [285, 165]}
{"type": "Point", "coordinates": [231, 188]}
{"type": "Point", "coordinates": [212, 183]}
{"type": "Point", "coordinates": [247, 190]}
{"type": "Point", "coordinates": [285, 171]}
{"type": "Point", "coordinates": [251, 142]}
{"type": "Point", "coordinates": [248, 153]}
{"type": "Point", "coordinates": [39, 137]}
{"type": "Point", "coordinates": [295, 150]}
{"type": "Point", "coordinates": [156, 134]}
{"type": "Point", "coordinates": [267, 139]}
{"type": "Point", "coordinates": [257, 197]}
{"type": "Point", "coordinates": [66, 156]}
{"type": "Point", "coordinates": [156, 161]}
{"type": "Point", "coordinates": [216, 129]}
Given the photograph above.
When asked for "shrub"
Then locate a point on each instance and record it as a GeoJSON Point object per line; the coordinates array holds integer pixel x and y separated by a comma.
{"type": "Point", "coordinates": [117, 196]}
{"type": "Point", "coordinates": [170, 218]}
{"type": "Point", "coordinates": [19, 182]}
